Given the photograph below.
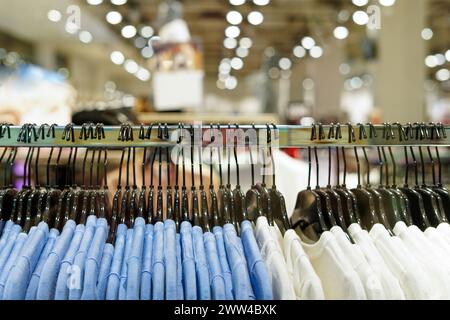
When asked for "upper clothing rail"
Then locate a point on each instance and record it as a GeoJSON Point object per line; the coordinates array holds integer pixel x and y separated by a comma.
{"type": "Point", "coordinates": [282, 136]}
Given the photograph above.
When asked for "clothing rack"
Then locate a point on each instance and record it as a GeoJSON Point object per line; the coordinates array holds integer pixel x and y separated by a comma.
{"type": "Point", "coordinates": [285, 136]}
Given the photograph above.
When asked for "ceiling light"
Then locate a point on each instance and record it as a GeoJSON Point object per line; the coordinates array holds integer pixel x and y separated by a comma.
{"type": "Point", "coordinates": [118, 2]}
{"type": "Point", "coordinates": [117, 57]}
{"type": "Point", "coordinates": [427, 34]}
{"type": "Point", "coordinates": [94, 2]}
{"type": "Point", "coordinates": [140, 42]}
{"type": "Point", "coordinates": [387, 3]}
{"type": "Point", "coordinates": [237, 63]}
{"type": "Point", "coordinates": [131, 66]}
{"type": "Point", "coordinates": [431, 61]}
{"type": "Point", "coordinates": [143, 74]}
{"type": "Point", "coordinates": [234, 17]}
{"type": "Point", "coordinates": [343, 15]}
{"type": "Point", "coordinates": [232, 32]}
{"type": "Point", "coordinates": [360, 17]}
{"type": "Point", "coordinates": [308, 43]}
{"type": "Point", "coordinates": [447, 55]}
{"type": "Point", "coordinates": [54, 15]}
{"type": "Point", "coordinates": [114, 17]}
{"type": "Point", "coordinates": [299, 51]}
{"type": "Point", "coordinates": [225, 67]}
{"type": "Point", "coordinates": [255, 18]}
{"type": "Point", "coordinates": [443, 75]}
{"type": "Point", "coordinates": [285, 63]}
{"type": "Point", "coordinates": [316, 52]}
{"type": "Point", "coordinates": [242, 52]}
{"type": "Point", "coordinates": [71, 27]}
{"type": "Point", "coordinates": [85, 36]}
{"type": "Point", "coordinates": [129, 31]}
{"type": "Point", "coordinates": [147, 52]}
{"type": "Point", "coordinates": [261, 2]}
{"type": "Point", "coordinates": [440, 59]}
{"type": "Point", "coordinates": [231, 83]}
{"type": "Point", "coordinates": [220, 84]}
{"type": "Point", "coordinates": [153, 40]}
{"type": "Point", "coordinates": [246, 43]}
{"type": "Point", "coordinates": [360, 3]}
{"type": "Point", "coordinates": [230, 43]}
{"type": "Point", "coordinates": [237, 2]}
{"type": "Point", "coordinates": [147, 31]}
{"type": "Point", "coordinates": [340, 32]}
{"type": "Point", "coordinates": [344, 68]}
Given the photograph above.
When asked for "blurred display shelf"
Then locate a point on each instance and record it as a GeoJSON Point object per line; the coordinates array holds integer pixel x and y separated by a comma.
{"type": "Point", "coordinates": [192, 117]}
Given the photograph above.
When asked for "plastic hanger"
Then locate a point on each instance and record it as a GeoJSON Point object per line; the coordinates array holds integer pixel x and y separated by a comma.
{"type": "Point", "coordinates": [438, 187]}
{"type": "Point", "coordinates": [239, 205]}
{"type": "Point", "coordinates": [8, 194]}
{"type": "Point", "coordinates": [184, 212]}
{"type": "Point", "coordinates": [265, 196]}
{"type": "Point", "coordinates": [195, 208]}
{"type": "Point", "coordinates": [151, 189]}
{"type": "Point", "coordinates": [277, 203]}
{"type": "Point", "coordinates": [222, 193]}
{"type": "Point", "coordinates": [307, 217]}
{"type": "Point", "coordinates": [171, 213]}
{"type": "Point", "coordinates": [214, 209]}
{"type": "Point", "coordinates": [142, 205]}
{"type": "Point", "coordinates": [134, 196]}
{"type": "Point", "coordinates": [177, 193]}
{"type": "Point", "coordinates": [229, 198]}
{"type": "Point", "coordinates": [204, 210]}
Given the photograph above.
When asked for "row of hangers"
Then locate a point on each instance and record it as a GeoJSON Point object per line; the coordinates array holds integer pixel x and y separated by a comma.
{"type": "Point", "coordinates": [319, 209]}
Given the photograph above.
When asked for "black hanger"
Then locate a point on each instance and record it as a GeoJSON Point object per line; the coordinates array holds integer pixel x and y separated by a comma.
{"type": "Point", "coordinates": [222, 193]}
{"type": "Point", "coordinates": [195, 209]}
{"type": "Point", "coordinates": [126, 216]}
{"type": "Point", "coordinates": [348, 200]}
{"type": "Point", "coordinates": [229, 198]}
{"type": "Point", "coordinates": [239, 205]}
{"type": "Point", "coordinates": [142, 205]}
{"type": "Point", "coordinates": [307, 217]}
{"type": "Point", "coordinates": [184, 195]}
{"type": "Point", "coordinates": [204, 210]}
{"type": "Point", "coordinates": [253, 196]}
{"type": "Point", "coordinates": [8, 192]}
{"type": "Point", "coordinates": [364, 198]}
{"type": "Point", "coordinates": [171, 212]}
{"type": "Point", "coordinates": [277, 201]}
{"type": "Point", "coordinates": [335, 198]}
{"type": "Point", "coordinates": [214, 209]}
{"type": "Point", "coordinates": [265, 196]}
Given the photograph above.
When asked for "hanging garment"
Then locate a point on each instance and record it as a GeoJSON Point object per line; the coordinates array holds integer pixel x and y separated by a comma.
{"type": "Point", "coordinates": [158, 266]}
{"type": "Point", "coordinates": [444, 229]}
{"type": "Point", "coordinates": [339, 280]}
{"type": "Point", "coordinates": [306, 283]}
{"type": "Point", "coordinates": [187, 253]}
{"type": "Point", "coordinates": [112, 289]}
{"type": "Point", "coordinates": [93, 260]}
{"type": "Point", "coordinates": [19, 242]}
{"type": "Point", "coordinates": [273, 256]}
{"type": "Point", "coordinates": [217, 282]}
{"type": "Point", "coordinates": [226, 272]}
{"type": "Point", "coordinates": [259, 274]}
{"type": "Point", "coordinates": [134, 262]}
{"type": "Point", "coordinates": [372, 284]}
{"type": "Point", "coordinates": [170, 259]}
{"type": "Point", "coordinates": [5, 234]}
{"type": "Point", "coordinates": [9, 243]}
{"type": "Point", "coordinates": [66, 277]}
{"type": "Point", "coordinates": [201, 265]}
{"type": "Point", "coordinates": [425, 253]}
{"type": "Point", "coordinates": [180, 289]}
{"type": "Point", "coordinates": [146, 277]}
{"type": "Point", "coordinates": [438, 240]}
{"type": "Point", "coordinates": [20, 275]}
{"type": "Point", "coordinates": [105, 267]}
{"type": "Point", "coordinates": [35, 277]}
{"type": "Point", "coordinates": [123, 270]}
{"type": "Point", "coordinates": [391, 284]}
{"type": "Point", "coordinates": [415, 282]}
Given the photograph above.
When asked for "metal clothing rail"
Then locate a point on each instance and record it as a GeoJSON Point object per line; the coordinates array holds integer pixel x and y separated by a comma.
{"type": "Point", "coordinates": [283, 136]}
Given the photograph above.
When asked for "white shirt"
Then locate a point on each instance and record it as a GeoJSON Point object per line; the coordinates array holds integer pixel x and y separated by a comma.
{"type": "Point", "coordinates": [276, 265]}
{"type": "Point", "coordinates": [391, 285]}
{"type": "Point", "coordinates": [444, 229]}
{"type": "Point", "coordinates": [438, 239]}
{"type": "Point", "coordinates": [425, 252]}
{"type": "Point", "coordinates": [307, 284]}
{"type": "Point", "coordinates": [415, 282]}
{"type": "Point", "coordinates": [339, 280]}
{"type": "Point", "coordinates": [371, 282]}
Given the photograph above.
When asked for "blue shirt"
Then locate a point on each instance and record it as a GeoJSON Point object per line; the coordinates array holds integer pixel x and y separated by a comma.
{"type": "Point", "coordinates": [180, 289]}
{"type": "Point", "coordinates": [112, 290]}
{"type": "Point", "coordinates": [134, 262]}
{"type": "Point", "coordinates": [79, 260]}
{"type": "Point", "coordinates": [5, 233]}
{"type": "Point", "coordinates": [10, 240]}
{"type": "Point", "coordinates": [18, 244]}
{"type": "Point", "coordinates": [146, 278]}
{"type": "Point", "coordinates": [20, 275]}
{"type": "Point", "coordinates": [259, 275]}
{"type": "Point", "coordinates": [123, 271]}
{"type": "Point", "coordinates": [236, 259]}
{"type": "Point", "coordinates": [93, 260]}
{"type": "Point", "coordinates": [158, 268]}
{"type": "Point", "coordinates": [226, 272]}
{"type": "Point", "coordinates": [215, 270]}
{"type": "Point", "coordinates": [187, 254]}
{"type": "Point", "coordinates": [170, 259]}
{"type": "Point", "coordinates": [201, 265]}
{"type": "Point", "coordinates": [105, 266]}
{"type": "Point", "coordinates": [49, 274]}
{"type": "Point", "coordinates": [65, 279]}
{"type": "Point", "coordinates": [34, 282]}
